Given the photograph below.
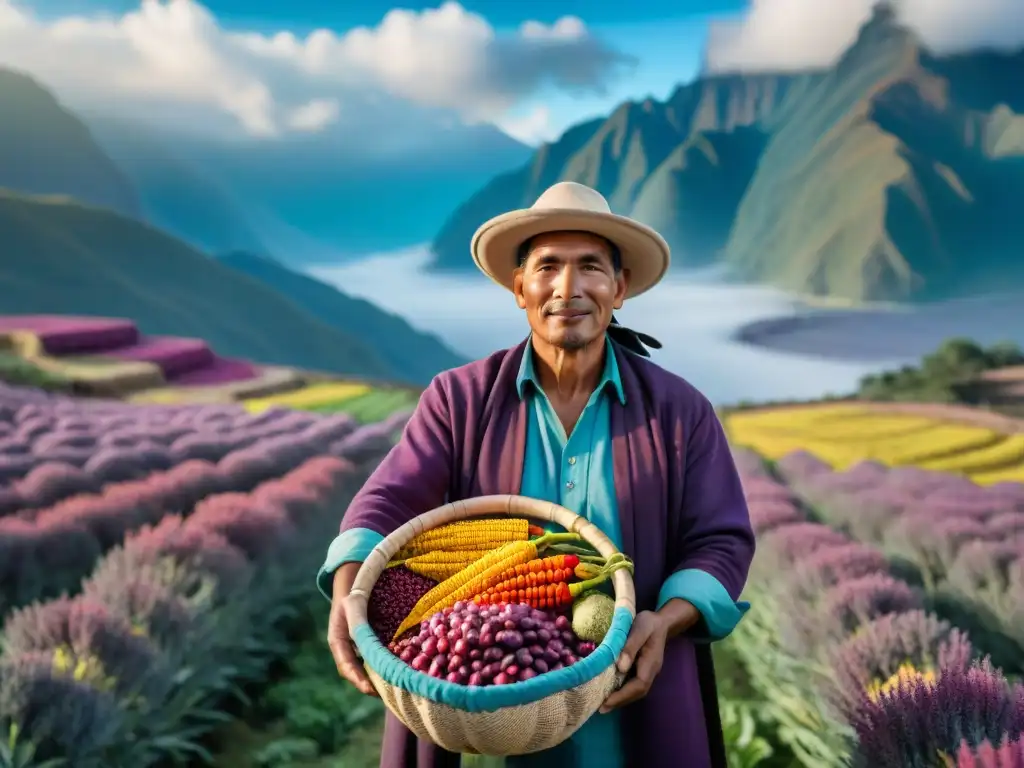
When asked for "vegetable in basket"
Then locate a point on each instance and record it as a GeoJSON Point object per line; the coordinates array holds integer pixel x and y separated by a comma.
{"type": "Point", "coordinates": [393, 596]}
{"type": "Point", "coordinates": [440, 564]}
{"type": "Point", "coordinates": [556, 593]}
{"type": "Point", "coordinates": [479, 576]}
{"type": "Point", "coordinates": [592, 614]}
{"type": "Point", "coordinates": [469, 535]}
{"type": "Point", "coordinates": [470, 644]}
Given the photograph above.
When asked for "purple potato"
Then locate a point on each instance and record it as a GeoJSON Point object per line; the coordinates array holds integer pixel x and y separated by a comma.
{"type": "Point", "coordinates": [511, 639]}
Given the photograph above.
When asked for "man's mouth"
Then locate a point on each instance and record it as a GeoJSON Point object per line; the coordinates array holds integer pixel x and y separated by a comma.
{"type": "Point", "coordinates": [569, 313]}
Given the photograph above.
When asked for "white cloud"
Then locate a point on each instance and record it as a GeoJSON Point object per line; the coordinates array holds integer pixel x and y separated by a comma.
{"type": "Point", "coordinates": [172, 57]}
{"type": "Point", "coordinates": [533, 128]}
{"type": "Point", "coordinates": [314, 116]}
{"type": "Point", "coordinates": [793, 34]}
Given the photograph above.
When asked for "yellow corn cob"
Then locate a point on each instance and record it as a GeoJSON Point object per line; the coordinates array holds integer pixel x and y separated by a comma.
{"type": "Point", "coordinates": [440, 565]}
{"type": "Point", "coordinates": [467, 535]}
{"type": "Point", "coordinates": [477, 577]}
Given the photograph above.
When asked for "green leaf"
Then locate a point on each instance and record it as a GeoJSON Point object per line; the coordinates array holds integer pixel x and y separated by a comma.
{"type": "Point", "coordinates": [282, 752]}
{"type": "Point", "coordinates": [178, 745]}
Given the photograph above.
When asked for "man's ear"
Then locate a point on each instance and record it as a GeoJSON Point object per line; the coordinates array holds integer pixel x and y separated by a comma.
{"type": "Point", "coordinates": [517, 287]}
{"type": "Point", "coordinates": [621, 286]}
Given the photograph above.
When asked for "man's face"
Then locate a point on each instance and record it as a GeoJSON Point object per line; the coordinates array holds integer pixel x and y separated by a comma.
{"type": "Point", "coordinates": [569, 288]}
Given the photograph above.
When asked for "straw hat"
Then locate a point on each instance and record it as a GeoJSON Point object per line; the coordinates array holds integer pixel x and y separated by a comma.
{"type": "Point", "coordinates": [568, 206]}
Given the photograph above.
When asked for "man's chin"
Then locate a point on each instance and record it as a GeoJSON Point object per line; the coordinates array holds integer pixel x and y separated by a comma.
{"type": "Point", "coordinates": [571, 343]}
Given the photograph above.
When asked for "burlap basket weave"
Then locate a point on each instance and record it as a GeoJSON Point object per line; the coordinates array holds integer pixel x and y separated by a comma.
{"type": "Point", "coordinates": [512, 730]}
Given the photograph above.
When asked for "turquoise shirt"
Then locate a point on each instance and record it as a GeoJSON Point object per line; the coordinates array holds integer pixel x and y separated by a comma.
{"type": "Point", "coordinates": [575, 471]}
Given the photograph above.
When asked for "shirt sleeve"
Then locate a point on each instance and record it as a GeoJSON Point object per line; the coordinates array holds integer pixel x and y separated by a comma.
{"type": "Point", "coordinates": [412, 479]}
{"type": "Point", "coordinates": [719, 612]}
{"type": "Point", "coordinates": [351, 546]}
{"type": "Point", "coordinates": [714, 540]}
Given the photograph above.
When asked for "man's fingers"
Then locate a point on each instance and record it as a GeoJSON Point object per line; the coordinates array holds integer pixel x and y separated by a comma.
{"type": "Point", "coordinates": [627, 694]}
{"type": "Point", "coordinates": [637, 637]}
{"type": "Point", "coordinates": [648, 665]}
{"type": "Point", "coordinates": [349, 666]}
{"type": "Point", "coordinates": [345, 657]}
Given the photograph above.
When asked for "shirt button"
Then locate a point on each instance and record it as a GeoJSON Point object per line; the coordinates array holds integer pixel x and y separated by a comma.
{"type": "Point", "coordinates": [572, 460]}
{"type": "Point", "coordinates": [570, 485]}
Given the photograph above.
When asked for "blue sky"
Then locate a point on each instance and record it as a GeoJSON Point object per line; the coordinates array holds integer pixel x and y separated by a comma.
{"type": "Point", "coordinates": [665, 37]}
{"type": "Point", "coordinates": [342, 14]}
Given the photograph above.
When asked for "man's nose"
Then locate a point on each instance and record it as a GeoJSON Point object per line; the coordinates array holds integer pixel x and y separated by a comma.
{"type": "Point", "coordinates": [567, 283]}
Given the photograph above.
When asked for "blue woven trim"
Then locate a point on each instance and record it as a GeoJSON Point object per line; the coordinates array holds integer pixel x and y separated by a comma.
{"type": "Point", "coordinates": [490, 698]}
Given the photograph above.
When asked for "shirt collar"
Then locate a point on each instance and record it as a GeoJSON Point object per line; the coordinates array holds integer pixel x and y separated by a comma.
{"type": "Point", "coordinates": [610, 377]}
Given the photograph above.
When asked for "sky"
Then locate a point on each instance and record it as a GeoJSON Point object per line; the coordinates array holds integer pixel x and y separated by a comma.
{"type": "Point", "coordinates": [267, 70]}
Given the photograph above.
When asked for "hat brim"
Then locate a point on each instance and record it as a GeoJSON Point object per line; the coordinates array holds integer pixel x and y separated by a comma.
{"type": "Point", "coordinates": [495, 246]}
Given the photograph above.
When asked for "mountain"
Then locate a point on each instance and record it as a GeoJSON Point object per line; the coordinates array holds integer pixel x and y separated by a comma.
{"type": "Point", "coordinates": [305, 199]}
{"type": "Point", "coordinates": [62, 257]}
{"type": "Point", "coordinates": [45, 149]}
{"type": "Point", "coordinates": [419, 355]}
{"type": "Point", "coordinates": [899, 176]}
{"type": "Point", "coordinates": [895, 174]}
{"type": "Point", "coordinates": [178, 196]}
{"type": "Point", "coordinates": [321, 197]}
{"type": "Point", "coordinates": [665, 163]}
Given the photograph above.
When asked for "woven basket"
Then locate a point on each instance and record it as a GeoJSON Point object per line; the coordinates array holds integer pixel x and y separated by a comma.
{"type": "Point", "coordinates": [509, 730]}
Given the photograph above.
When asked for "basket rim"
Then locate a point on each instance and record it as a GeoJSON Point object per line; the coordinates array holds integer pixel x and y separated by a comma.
{"type": "Point", "coordinates": [395, 672]}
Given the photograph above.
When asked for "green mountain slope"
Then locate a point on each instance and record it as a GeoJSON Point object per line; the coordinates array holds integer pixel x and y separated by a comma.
{"type": "Point", "coordinates": [651, 160]}
{"type": "Point", "coordinates": [893, 179]}
{"type": "Point", "coordinates": [46, 150]}
{"type": "Point", "coordinates": [419, 355]}
{"type": "Point", "coordinates": [178, 196]}
{"type": "Point", "coordinates": [60, 257]}
{"type": "Point", "coordinates": [692, 196]}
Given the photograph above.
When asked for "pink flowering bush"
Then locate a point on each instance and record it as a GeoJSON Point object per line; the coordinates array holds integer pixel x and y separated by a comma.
{"type": "Point", "coordinates": [851, 647]}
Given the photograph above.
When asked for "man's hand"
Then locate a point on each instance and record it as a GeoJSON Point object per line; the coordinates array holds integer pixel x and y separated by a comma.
{"type": "Point", "coordinates": [343, 649]}
{"type": "Point", "coordinates": [645, 647]}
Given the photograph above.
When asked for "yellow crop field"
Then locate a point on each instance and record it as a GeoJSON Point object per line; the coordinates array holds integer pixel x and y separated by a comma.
{"type": "Point", "coordinates": [311, 397]}
{"type": "Point", "coordinates": [844, 434]}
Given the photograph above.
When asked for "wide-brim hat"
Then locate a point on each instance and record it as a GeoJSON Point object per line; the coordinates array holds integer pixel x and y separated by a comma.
{"type": "Point", "coordinates": [568, 206]}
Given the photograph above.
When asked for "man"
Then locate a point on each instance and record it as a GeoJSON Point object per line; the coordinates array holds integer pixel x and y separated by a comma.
{"type": "Point", "coordinates": [571, 416]}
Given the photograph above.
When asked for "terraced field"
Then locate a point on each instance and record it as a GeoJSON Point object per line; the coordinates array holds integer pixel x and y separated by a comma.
{"type": "Point", "coordinates": [151, 558]}
{"type": "Point", "coordinates": [361, 401]}
{"type": "Point", "coordinates": [843, 435]}
{"type": "Point", "coordinates": [111, 358]}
